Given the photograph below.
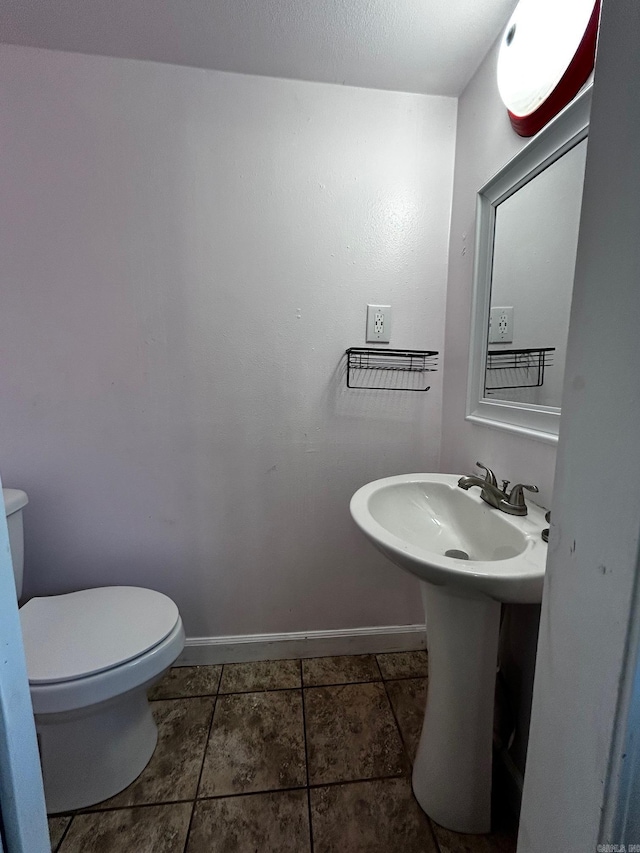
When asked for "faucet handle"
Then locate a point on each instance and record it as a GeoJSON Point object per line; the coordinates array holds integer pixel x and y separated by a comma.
{"type": "Point", "coordinates": [516, 498]}
{"type": "Point", "coordinates": [489, 476]}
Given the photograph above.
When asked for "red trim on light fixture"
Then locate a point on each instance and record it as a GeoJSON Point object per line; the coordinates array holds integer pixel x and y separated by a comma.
{"type": "Point", "coordinates": [569, 85]}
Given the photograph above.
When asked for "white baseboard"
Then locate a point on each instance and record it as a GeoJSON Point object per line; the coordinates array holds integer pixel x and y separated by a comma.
{"type": "Point", "coordinates": [200, 651]}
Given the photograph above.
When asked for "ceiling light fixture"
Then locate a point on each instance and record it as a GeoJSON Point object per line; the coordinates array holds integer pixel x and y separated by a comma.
{"type": "Point", "coordinates": [546, 55]}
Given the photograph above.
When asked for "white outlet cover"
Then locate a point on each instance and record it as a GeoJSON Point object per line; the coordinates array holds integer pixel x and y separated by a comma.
{"type": "Point", "coordinates": [378, 324]}
{"type": "Point", "coordinates": [501, 325]}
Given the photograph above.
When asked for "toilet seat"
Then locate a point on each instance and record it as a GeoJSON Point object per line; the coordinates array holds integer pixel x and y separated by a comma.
{"type": "Point", "coordinates": [82, 633]}
{"type": "Point", "coordinates": [89, 646]}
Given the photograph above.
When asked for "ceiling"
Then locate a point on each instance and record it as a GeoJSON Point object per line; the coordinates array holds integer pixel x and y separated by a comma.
{"type": "Point", "coordinates": [428, 46]}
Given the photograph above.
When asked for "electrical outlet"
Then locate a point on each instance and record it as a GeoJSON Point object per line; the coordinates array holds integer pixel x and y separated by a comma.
{"type": "Point", "coordinates": [378, 323]}
{"type": "Point", "coordinates": [501, 325]}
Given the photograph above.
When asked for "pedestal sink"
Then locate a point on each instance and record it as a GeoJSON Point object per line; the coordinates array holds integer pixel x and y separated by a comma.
{"type": "Point", "coordinates": [470, 558]}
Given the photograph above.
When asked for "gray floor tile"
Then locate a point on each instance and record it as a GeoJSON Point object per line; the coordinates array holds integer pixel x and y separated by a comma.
{"type": "Point", "coordinates": [256, 750]}
{"type": "Point", "coordinates": [183, 681]}
{"type": "Point", "coordinates": [351, 734]}
{"type": "Point", "coordinates": [380, 816]}
{"type": "Point", "coordinates": [403, 664]}
{"type": "Point", "coordinates": [345, 669]}
{"type": "Point", "coordinates": [277, 822]}
{"type": "Point", "coordinates": [57, 826]}
{"type": "Point", "coordinates": [456, 842]}
{"type": "Point", "coordinates": [256, 744]}
{"type": "Point", "coordinates": [408, 698]}
{"type": "Point", "coordinates": [154, 829]}
{"type": "Point", "coordinates": [260, 675]}
{"type": "Point", "coordinates": [172, 774]}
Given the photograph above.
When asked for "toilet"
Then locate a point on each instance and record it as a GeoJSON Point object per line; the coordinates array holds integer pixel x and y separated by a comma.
{"type": "Point", "coordinates": [91, 657]}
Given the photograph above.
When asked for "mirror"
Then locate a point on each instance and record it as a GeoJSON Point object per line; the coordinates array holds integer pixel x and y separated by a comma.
{"type": "Point", "coordinates": [526, 240]}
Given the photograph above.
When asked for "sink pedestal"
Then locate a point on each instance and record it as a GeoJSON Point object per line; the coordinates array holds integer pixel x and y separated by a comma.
{"type": "Point", "coordinates": [452, 769]}
{"type": "Point", "coordinates": [421, 522]}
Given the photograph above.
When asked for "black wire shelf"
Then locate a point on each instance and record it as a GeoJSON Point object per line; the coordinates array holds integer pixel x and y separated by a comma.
{"type": "Point", "coordinates": [517, 368]}
{"type": "Point", "coordinates": [390, 369]}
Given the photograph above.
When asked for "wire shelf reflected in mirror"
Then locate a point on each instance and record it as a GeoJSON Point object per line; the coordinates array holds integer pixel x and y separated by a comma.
{"type": "Point", "coordinates": [516, 368]}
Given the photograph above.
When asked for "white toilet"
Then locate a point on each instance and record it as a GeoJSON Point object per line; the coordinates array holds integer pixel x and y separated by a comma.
{"type": "Point", "coordinates": [91, 657]}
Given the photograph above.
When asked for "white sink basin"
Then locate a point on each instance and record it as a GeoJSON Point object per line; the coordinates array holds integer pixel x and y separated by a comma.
{"type": "Point", "coordinates": [418, 520]}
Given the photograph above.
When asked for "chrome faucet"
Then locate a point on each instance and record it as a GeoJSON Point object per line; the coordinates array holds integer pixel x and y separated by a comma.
{"type": "Point", "coordinates": [513, 502]}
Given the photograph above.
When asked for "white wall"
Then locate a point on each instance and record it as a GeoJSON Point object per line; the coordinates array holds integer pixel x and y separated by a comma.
{"type": "Point", "coordinates": [485, 143]}
{"type": "Point", "coordinates": [186, 255]}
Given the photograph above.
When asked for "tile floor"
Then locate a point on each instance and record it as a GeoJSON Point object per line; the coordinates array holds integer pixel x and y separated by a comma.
{"type": "Point", "coordinates": [310, 756]}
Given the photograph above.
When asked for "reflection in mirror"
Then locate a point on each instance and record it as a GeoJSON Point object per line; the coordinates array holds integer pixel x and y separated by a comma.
{"type": "Point", "coordinates": [526, 241]}
{"type": "Point", "coordinates": [534, 256]}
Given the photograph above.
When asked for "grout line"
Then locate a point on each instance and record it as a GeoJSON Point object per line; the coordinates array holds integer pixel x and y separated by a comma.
{"type": "Point", "coordinates": [64, 834]}
{"type": "Point", "coordinates": [231, 693]}
{"type": "Point", "coordinates": [186, 838]}
{"type": "Point", "coordinates": [306, 759]}
{"type": "Point", "coordinates": [311, 686]}
{"type": "Point", "coordinates": [190, 696]}
{"type": "Point", "coordinates": [301, 686]}
{"type": "Point", "coordinates": [433, 832]}
{"type": "Point", "coordinates": [304, 787]}
{"type": "Point", "coordinates": [379, 667]}
{"type": "Point", "coordinates": [310, 820]}
{"type": "Point", "coordinates": [343, 683]}
{"type": "Point", "coordinates": [204, 754]}
{"type": "Point", "coordinates": [252, 793]}
{"type": "Point", "coordinates": [223, 796]}
{"type": "Point", "coordinates": [357, 781]}
{"type": "Point", "coordinates": [94, 811]}
{"type": "Point", "coordinates": [407, 677]}
{"type": "Point", "coordinates": [405, 747]}
{"type": "Point", "coordinates": [261, 690]}
{"type": "Point", "coordinates": [222, 669]}
{"type": "Point", "coordinates": [218, 692]}
{"type": "Point", "coordinates": [311, 786]}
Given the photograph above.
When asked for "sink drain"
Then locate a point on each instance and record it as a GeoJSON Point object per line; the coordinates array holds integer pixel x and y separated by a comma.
{"type": "Point", "coordinates": [456, 554]}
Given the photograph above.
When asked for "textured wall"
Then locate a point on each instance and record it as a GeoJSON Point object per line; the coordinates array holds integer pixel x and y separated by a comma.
{"type": "Point", "coordinates": [186, 256]}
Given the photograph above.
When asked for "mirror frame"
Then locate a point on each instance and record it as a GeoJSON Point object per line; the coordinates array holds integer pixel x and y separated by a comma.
{"type": "Point", "coordinates": [569, 128]}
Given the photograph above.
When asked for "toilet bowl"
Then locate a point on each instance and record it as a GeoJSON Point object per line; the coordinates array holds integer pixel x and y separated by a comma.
{"type": "Point", "coordinates": [91, 656]}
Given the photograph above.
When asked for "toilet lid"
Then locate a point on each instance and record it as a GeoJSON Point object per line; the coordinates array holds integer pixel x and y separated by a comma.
{"type": "Point", "coordinates": [82, 633]}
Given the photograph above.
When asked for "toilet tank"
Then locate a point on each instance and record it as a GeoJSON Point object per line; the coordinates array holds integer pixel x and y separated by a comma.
{"type": "Point", "coordinates": [14, 501]}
